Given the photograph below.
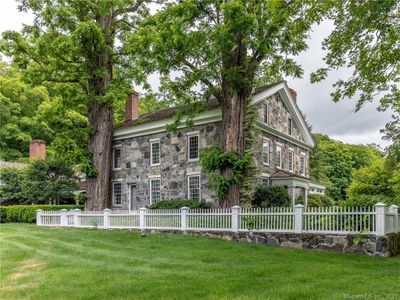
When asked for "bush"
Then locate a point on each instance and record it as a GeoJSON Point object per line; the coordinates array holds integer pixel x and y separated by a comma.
{"type": "Point", "coordinates": [319, 201]}
{"type": "Point", "coordinates": [178, 203]}
{"type": "Point", "coordinates": [267, 196]}
{"type": "Point", "coordinates": [27, 213]}
{"type": "Point", "coordinates": [369, 200]}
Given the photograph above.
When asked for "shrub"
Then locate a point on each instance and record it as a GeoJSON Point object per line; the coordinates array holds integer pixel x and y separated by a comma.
{"type": "Point", "coordinates": [178, 203]}
{"type": "Point", "coordinates": [27, 213]}
{"type": "Point", "coordinates": [369, 200]}
{"type": "Point", "coordinates": [266, 196]}
{"type": "Point", "coordinates": [319, 201]}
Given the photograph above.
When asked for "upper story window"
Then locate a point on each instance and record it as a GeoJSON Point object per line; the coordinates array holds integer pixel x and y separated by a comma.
{"type": "Point", "coordinates": [265, 114]}
{"type": "Point", "coordinates": [290, 126]}
{"type": "Point", "coordinates": [194, 187]}
{"type": "Point", "coordinates": [155, 153]}
{"type": "Point", "coordinates": [117, 158]}
{"type": "Point", "coordinates": [265, 152]}
{"type": "Point", "coordinates": [302, 165]}
{"type": "Point", "coordinates": [117, 193]}
{"type": "Point", "coordinates": [155, 190]}
{"type": "Point", "coordinates": [290, 161]}
{"type": "Point", "coordinates": [193, 147]}
{"type": "Point", "coordinates": [278, 156]}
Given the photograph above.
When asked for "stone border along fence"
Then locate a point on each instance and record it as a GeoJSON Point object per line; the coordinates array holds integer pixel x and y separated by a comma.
{"type": "Point", "coordinates": [280, 225]}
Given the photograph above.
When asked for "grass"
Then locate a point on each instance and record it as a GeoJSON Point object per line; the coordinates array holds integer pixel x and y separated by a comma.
{"type": "Point", "coordinates": [63, 263]}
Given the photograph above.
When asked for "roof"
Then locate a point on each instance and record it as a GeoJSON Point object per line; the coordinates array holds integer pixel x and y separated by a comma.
{"type": "Point", "coordinates": [285, 174]}
{"type": "Point", "coordinates": [166, 113]}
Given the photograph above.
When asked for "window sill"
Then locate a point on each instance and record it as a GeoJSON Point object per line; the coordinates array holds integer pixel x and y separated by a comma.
{"type": "Point", "coordinates": [116, 169]}
{"type": "Point", "coordinates": [117, 205]}
{"type": "Point", "coordinates": [193, 160]}
{"type": "Point", "coordinates": [266, 164]}
{"type": "Point", "coordinates": [155, 165]}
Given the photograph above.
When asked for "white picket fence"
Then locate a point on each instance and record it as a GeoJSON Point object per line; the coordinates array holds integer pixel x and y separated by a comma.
{"type": "Point", "coordinates": [377, 220]}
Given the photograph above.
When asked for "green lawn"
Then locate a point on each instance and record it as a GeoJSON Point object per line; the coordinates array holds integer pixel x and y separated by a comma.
{"type": "Point", "coordinates": [61, 263]}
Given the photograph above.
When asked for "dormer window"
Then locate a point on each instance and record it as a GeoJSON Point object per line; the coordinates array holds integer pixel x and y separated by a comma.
{"type": "Point", "coordinates": [265, 114]}
{"type": "Point", "coordinates": [290, 126]}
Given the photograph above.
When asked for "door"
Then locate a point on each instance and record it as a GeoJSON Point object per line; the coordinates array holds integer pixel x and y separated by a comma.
{"type": "Point", "coordinates": [132, 197]}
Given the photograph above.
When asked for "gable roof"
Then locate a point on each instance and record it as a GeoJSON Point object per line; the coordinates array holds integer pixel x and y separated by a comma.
{"type": "Point", "coordinates": [160, 118]}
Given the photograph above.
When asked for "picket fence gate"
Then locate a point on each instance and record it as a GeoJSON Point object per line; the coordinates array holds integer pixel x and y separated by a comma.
{"type": "Point", "coordinates": [377, 220]}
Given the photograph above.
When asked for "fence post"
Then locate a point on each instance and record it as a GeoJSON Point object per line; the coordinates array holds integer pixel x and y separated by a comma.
{"type": "Point", "coordinates": [380, 218]}
{"type": "Point", "coordinates": [184, 211]}
{"type": "Point", "coordinates": [39, 217]}
{"type": "Point", "coordinates": [142, 215]}
{"type": "Point", "coordinates": [106, 221]}
{"type": "Point", "coordinates": [63, 217]}
{"type": "Point", "coordinates": [77, 212]}
{"type": "Point", "coordinates": [235, 218]}
{"type": "Point", "coordinates": [298, 218]}
{"type": "Point", "coordinates": [394, 210]}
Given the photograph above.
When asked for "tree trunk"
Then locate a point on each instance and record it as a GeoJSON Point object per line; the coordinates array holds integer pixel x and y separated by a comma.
{"type": "Point", "coordinates": [98, 188]}
{"type": "Point", "coordinates": [232, 138]}
{"type": "Point", "coordinates": [100, 120]}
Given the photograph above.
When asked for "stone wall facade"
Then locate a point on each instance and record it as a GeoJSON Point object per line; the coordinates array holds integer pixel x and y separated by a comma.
{"type": "Point", "coordinates": [370, 245]}
{"type": "Point", "coordinates": [174, 167]}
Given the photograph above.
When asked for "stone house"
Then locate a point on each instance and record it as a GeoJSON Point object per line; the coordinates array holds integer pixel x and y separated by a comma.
{"type": "Point", "coordinates": [152, 164]}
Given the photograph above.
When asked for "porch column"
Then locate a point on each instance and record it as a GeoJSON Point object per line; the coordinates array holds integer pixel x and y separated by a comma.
{"type": "Point", "coordinates": [292, 194]}
{"type": "Point", "coordinates": [305, 197]}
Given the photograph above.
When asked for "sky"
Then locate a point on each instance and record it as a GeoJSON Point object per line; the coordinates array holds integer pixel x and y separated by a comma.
{"type": "Point", "coordinates": [338, 120]}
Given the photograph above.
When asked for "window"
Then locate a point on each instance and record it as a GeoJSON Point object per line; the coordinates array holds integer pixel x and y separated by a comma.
{"type": "Point", "coordinates": [290, 125]}
{"type": "Point", "coordinates": [117, 158]}
{"type": "Point", "coordinates": [290, 161]}
{"type": "Point", "coordinates": [302, 165]}
{"type": "Point", "coordinates": [265, 181]}
{"type": "Point", "coordinates": [194, 187]}
{"type": "Point", "coordinates": [265, 153]}
{"type": "Point", "coordinates": [265, 114]}
{"type": "Point", "coordinates": [155, 153]}
{"type": "Point", "coordinates": [117, 193]}
{"type": "Point", "coordinates": [193, 147]}
{"type": "Point", "coordinates": [155, 190]}
{"type": "Point", "coordinates": [278, 157]}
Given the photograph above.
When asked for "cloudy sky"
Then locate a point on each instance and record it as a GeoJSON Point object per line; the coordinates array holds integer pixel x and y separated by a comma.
{"type": "Point", "coordinates": [338, 120]}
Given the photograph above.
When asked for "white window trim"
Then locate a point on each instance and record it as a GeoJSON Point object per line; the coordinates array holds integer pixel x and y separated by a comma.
{"type": "Point", "coordinates": [269, 152]}
{"type": "Point", "coordinates": [291, 152]}
{"type": "Point", "coordinates": [113, 160]}
{"type": "Point", "coordinates": [150, 192]}
{"type": "Point", "coordinates": [113, 199]}
{"type": "Point", "coordinates": [188, 185]}
{"type": "Point", "coordinates": [193, 133]}
{"type": "Point", "coordinates": [156, 141]}
{"type": "Point", "coordinates": [280, 156]}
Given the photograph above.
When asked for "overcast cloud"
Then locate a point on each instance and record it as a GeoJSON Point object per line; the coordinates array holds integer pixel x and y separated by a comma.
{"type": "Point", "coordinates": [338, 120]}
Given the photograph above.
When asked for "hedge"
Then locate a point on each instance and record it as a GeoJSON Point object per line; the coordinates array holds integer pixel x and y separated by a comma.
{"type": "Point", "coordinates": [27, 213]}
{"type": "Point", "coordinates": [178, 203]}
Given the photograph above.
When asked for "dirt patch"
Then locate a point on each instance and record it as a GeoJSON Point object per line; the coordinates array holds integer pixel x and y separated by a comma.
{"type": "Point", "coordinates": [26, 268]}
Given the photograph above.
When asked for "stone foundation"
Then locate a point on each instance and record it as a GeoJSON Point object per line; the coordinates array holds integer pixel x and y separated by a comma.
{"type": "Point", "coordinates": [351, 243]}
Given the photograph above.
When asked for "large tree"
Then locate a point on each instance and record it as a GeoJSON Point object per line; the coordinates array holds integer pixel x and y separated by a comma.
{"type": "Point", "coordinates": [219, 49]}
{"type": "Point", "coordinates": [80, 45]}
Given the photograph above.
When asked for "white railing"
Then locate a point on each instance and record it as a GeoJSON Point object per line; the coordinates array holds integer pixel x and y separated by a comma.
{"type": "Point", "coordinates": [377, 220]}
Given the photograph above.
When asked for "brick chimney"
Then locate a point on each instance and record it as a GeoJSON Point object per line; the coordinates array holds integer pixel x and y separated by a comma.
{"type": "Point", "coordinates": [37, 149]}
{"type": "Point", "coordinates": [294, 94]}
{"type": "Point", "coordinates": [132, 106]}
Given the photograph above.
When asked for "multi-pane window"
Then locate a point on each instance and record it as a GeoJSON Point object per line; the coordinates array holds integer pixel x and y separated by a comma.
{"type": "Point", "coordinates": [155, 153]}
{"type": "Point", "coordinates": [290, 126]}
{"type": "Point", "coordinates": [117, 158]}
{"type": "Point", "coordinates": [193, 147]}
{"type": "Point", "coordinates": [265, 152]}
{"type": "Point", "coordinates": [278, 156]}
{"type": "Point", "coordinates": [265, 181]}
{"type": "Point", "coordinates": [117, 193]}
{"type": "Point", "coordinates": [155, 190]}
{"type": "Point", "coordinates": [194, 187]}
{"type": "Point", "coordinates": [265, 114]}
{"type": "Point", "coordinates": [302, 165]}
{"type": "Point", "coordinates": [290, 160]}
